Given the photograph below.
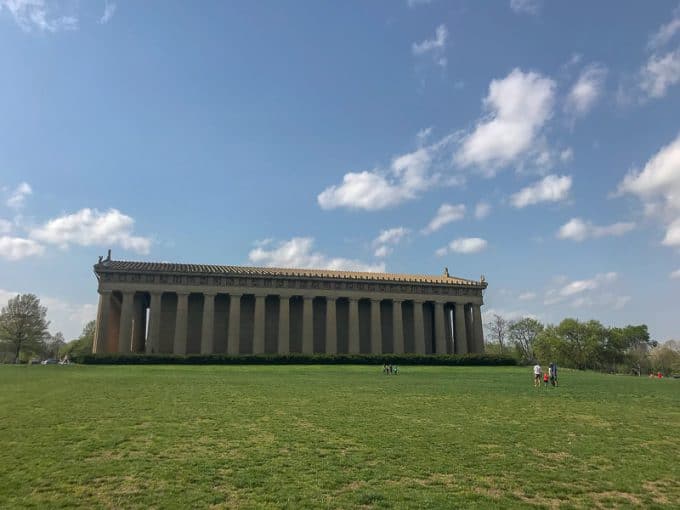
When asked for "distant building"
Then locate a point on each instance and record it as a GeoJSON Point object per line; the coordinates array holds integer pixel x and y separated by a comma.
{"type": "Point", "coordinates": [190, 308]}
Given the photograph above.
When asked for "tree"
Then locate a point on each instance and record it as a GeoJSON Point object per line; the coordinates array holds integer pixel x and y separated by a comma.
{"type": "Point", "coordinates": [82, 344]}
{"type": "Point", "coordinates": [54, 344]}
{"type": "Point", "coordinates": [665, 357]}
{"type": "Point", "coordinates": [23, 325]}
{"type": "Point", "coordinates": [498, 330]}
{"type": "Point", "coordinates": [522, 334]}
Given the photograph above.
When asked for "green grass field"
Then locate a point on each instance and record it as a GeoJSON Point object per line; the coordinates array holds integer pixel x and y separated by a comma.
{"type": "Point", "coordinates": [334, 437]}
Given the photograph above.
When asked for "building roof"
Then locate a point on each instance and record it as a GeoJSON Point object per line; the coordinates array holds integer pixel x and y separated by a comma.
{"type": "Point", "coordinates": [208, 269]}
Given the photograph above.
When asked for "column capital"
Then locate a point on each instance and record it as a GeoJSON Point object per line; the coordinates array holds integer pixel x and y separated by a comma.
{"type": "Point", "coordinates": [210, 294]}
{"type": "Point", "coordinates": [397, 300]}
{"type": "Point", "coordinates": [105, 291]}
{"type": "Point", "coordinates": [260, 295]}
{"type": "Point", "coordinates": [418, 301]}
{"type": "Point", "coordinates": [308, 298]}
{"type": "Point", "coordinates": [236, 295]}
{"type": "Point", "coordinates": [128, 292]}
{"type": "Point", "coordinates": [155, 292]}
{"type": "Point", "coordinates": [375, 300]}
{"type": "Point", "coordinates": [182, 292]}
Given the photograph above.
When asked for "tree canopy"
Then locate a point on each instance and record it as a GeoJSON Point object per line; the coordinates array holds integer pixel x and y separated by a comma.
{"type": "Point", "coordinates": [23, 326]}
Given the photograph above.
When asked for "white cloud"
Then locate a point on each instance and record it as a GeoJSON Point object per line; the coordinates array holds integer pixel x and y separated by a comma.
{"type": "Point", "coordinates": [666, 32]}
{"type": "Point", "coordinates": [567, 155]}
{"type": "Point", "coordinates": [463, 245]}
{"type": "Point", "coordinates": [578, 230]}
{"type": "Point", "coordinates": [5, 226]}
{"type": "Point", "coordinates": [298, 253]}
{"type": "Point", "coordinates": [16, 248]}
{"type": "Point", "coordinates": [552, 188]}
{"type": "Point", "coordinates": [658, 186]}
{"type": "Point", "coordinates": [586, 91]}
{"type": "Point", "coordinates": [526, 6]}
{"type": "Point", "coordinates": [447, 213]}
{"type": "Point", "coordinates": [431, 45]}
{"type": "Point", "coordinates": [518, 106]}
{"type": "Point", "coordinates": [595, 291]}
{"type": "Point", "coordinates": [675, 274]}
{"type": "Point", "coordinates": [660, 73]}
{"type": "Point", "coordinates": [89, 227]}
{"type": "Point", "coordinates": [35, 15]}
{"type": "Point", "coordinates": [407, 177]}
{"type": "Point", "coordinates": [527, 296]}
{"type": "Point", "coordinates": [391, 236]}
{"type": "Point", "coordinates": [423, 134]}
{"type": "Point", "coordinates": [18, 196]}
{"type": "Point", "coordinates": [109, 11]}
{"type": "Point", "coordinates": [482, 210]}
{"type": "Point", "coordinates": [580, 286]}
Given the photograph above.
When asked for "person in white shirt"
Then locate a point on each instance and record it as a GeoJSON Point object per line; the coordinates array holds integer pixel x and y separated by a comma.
{"type": "Point", "coordinates": [537, 374]}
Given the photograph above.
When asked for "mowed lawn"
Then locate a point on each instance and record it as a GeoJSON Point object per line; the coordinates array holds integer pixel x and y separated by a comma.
{"type": "Point", "coordinates": [334, 437]}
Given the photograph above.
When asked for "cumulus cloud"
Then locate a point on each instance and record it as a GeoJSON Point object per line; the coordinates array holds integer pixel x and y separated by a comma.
{"type": "Point", "coordinates": [659, 73]}
{"type": "Point", "coordinates": [527, 296]}
{"type": "Point", "coordinates": [517, 108]}
{"type": "Point", "coordinates": [567, 155]}
{"type": "Point", "coordinates": [482, 210]}
{"type": "Point", "coordinates": [5, 226]}
{"type": "Point", "coordinates": [658, 186]}
{"type": "Point", "coordinates": [552, 188]}
{"type": "Point", "coordinates": [109, 11]}
{"type": "Point", "coordinates": [17, 248]}
{"type": "Point", "coordinates": [407, 177]}
{"type": "Point", "coordinates": [578, 230]}
{"type": "Point", "coordinates": [666, 32]}
{"type": "Point", "coordinates": [464, 245]}
{"type": "Point", "coordinates": [36, 15]}
{"type": "Point", "coordinates": [433, 47]}
{"type": "Point", "coordinates": [18, 196]}
{"type": "Point", "coordinates": [675, 274]}
{"type": "Point", "coordinates": [526, 6]}
{"type": "Point", "coordinates": [586, 91]}
{"type": "Point", "coordinates": [447, 213]}
{"type": "Point", "coordinates": [90, 227]}
{"type": "Point", "coordinates": [298, 252]}
{"type": "Point", "coordinates": [388, 238]}
{"type": "Point", "coordinates": [595, 291]}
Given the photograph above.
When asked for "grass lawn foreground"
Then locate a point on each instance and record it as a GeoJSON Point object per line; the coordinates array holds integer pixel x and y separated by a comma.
{"type": "Point", "coordinates": [334, 437]}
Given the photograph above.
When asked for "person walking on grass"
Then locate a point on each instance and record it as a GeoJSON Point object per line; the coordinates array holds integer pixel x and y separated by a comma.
{"type": "Point", "coordinates": [545, 379]}
{"type": "Point", "coordinates": [537, 374]}
{"type": "Point", "coordinates": [553, 373]}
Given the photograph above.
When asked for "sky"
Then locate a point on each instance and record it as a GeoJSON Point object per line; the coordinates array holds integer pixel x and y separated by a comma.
{"type": "Point", "coordinates": [536, 143]}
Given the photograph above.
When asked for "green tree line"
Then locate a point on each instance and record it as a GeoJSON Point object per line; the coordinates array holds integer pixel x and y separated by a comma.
{"type": "Point", "coordinates": [583, 345]}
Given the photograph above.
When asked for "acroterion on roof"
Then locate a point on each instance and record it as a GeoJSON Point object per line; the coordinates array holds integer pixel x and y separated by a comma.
{"type": "Point", "coordinates": [208, 269]}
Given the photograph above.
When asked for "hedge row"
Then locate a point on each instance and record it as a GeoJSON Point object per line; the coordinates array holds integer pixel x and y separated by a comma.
{"type": "Point", "coordinates": [294, 359]}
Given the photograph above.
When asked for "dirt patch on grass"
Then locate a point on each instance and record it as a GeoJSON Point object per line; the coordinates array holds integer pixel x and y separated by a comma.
{"type": "Point", "coordinates": [615, 499]}
{"type": "Point", "coordinates": [662, 491]}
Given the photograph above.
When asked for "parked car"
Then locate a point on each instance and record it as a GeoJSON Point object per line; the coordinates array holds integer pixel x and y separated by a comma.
{"type": "Point", "coordinates": [50, 361]}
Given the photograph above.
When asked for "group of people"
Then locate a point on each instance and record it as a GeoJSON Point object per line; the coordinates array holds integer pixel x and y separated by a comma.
{"type": "Point", "coordinates": [548, 377]}
{"type": "Point", "coordinates": [389, 368]}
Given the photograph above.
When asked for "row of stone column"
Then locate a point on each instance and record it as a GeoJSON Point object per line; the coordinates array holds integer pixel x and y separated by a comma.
{"type": "Point", "coordinates": [467, 330]}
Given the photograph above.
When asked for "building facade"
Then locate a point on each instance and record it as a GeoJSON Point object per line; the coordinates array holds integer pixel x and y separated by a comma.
{"type": "Point", "coordinates": [162, 308]}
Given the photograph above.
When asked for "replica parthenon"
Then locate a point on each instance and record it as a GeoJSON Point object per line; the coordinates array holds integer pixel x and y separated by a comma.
{"type": "Point", "coordinates": [156, 308]}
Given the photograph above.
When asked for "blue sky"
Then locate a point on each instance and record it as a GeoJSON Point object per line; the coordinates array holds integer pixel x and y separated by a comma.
{"type": "Point", "coordinates": [537, 143]}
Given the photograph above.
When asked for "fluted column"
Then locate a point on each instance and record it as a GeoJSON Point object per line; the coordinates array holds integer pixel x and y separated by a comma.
{"type": "Point", "coordinates": [397, 327]}
{"type": "Point", "coordinates": [439, 328]}
{"type": "Point", "coordinates": [354, 346]}
{"type": "Point", "coordinates": [419, 327]}
{"type": "Point", "coordinates": [478, 330]}
{"type": "Point", "coordinates": [284, 325]}
{"type": "Point", "coordinates": [125, 332]}
{"type": "Point", "coordinates": [153, 339]}
{"type": "Point", "coordinates": [469, 331]}
{"type": "Point", "coordinates": [376, 327]}
{"type": "Point", "coordinates": [308, 325]}
{"type": "Point", "coordinates": [460, 340]}
{"type": "Point", "coordinates": [208, 324]}
{"type": "Point", "coordinates": [234, 335]}
{"type": "Point", "coordinates": [331, 326]}
{"type": "Point", "coordinates": [102, 327]}
{"type": "Point", "coordinates": [181, 323]}
{"type": "Point", "coordinates": [258, 326]}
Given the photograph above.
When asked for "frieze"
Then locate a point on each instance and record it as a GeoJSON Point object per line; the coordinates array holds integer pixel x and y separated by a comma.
{"type": "Point", "coordinates": [298, 283]}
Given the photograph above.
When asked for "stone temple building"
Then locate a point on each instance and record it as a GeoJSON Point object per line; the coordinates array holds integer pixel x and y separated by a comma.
{"type": "Point", "coordinates": [156, 308]}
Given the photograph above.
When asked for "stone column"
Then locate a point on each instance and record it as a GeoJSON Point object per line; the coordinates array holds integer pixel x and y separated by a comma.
{"type": "Point", "coordinates": [181, 323]}
{"type": "Point", "coordinates": [419, 327]}
{"type": "Point", "coordinates": [234, 336]}
{"type": "Point", "coordinates": [308, 325]}
{"type": "Point", "coordinates": [208, 324]}
{"type": "Point", "coordinates": [354, 346]}
{"type": "Point", "coordinates": [469, 328]}
{"type": "Point", "coordinates": [153, 340]}
{"type": "Point", "coordinates": [258, 326]}
{"type": "Point", "coordinates": [331, 326]}
{"type": "Point", "coordinates": [397, 327]}
{"type": "Point", "coordinates": [478, 330]}
{"type": "Point", "coordinates": [102, 327]}
{"type": "Point", "coordinates": [125, 333]}
{"type": "Point", "coordinates": [284, 325]}
{"type": "Point", "coordinates": [439, 328]}
{"type": "Point", "coordinates": [460, 340]}
{"type": "Point", "coordinates": [376, 327]}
